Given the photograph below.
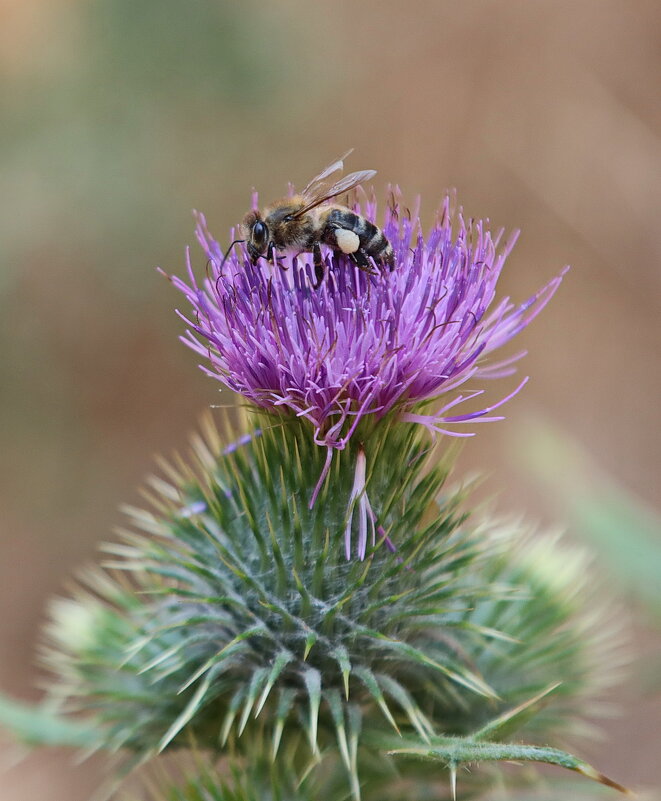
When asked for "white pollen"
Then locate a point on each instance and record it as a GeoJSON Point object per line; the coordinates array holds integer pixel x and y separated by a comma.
{"type": "Point", "coordinates": [347, 241]}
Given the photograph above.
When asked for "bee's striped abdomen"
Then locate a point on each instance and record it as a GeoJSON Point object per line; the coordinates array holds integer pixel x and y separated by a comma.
{"type": "Point", "coordinates": [378, 246]}
{"type": "Point", "coordinates": [372, 240]}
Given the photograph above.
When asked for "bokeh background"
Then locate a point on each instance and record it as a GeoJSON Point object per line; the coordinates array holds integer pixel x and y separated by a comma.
{"type": "Point", "coordinates": [117, 117]}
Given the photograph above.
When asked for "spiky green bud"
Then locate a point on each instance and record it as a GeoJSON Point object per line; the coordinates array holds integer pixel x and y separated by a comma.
{"type": "Point", "coordinates": [232, 618]}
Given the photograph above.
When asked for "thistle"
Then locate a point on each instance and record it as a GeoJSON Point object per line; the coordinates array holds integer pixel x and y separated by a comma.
{"type": "Point", "coordinates": [308, 597]}
{"type": "Point", "coordinates": [362, 345]}
{"type": "Point", "coordinates": [363, 348]}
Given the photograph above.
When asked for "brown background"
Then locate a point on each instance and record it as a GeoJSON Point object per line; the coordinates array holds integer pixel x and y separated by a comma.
{"type": "Point", "coordinates": [120, 116]}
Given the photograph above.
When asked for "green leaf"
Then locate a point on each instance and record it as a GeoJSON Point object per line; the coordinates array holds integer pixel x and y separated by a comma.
{"type": "Point", "coordinates": [452, 752]}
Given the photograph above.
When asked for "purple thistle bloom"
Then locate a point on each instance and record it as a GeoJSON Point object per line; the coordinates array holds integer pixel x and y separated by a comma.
{"type": "Point", "coordinates": [363, 345]}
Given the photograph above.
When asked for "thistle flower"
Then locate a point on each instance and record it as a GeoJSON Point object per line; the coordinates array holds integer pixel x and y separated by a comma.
{"type": "Point", "coordinates": [363, 345]}
{"type": "Point", "coordinates": [228, 620]}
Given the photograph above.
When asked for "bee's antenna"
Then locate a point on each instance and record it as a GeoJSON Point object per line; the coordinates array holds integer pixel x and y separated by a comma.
{"type": "Point", "coordinates": [227, 252]}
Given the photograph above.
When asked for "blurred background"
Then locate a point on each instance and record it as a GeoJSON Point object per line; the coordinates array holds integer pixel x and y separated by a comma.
{"type": "Point", "coordinates": [118, 117]}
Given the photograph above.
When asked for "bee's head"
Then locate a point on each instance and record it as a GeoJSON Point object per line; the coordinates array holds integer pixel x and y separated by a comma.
{"type": "Point", "coordinates": [257, 235]}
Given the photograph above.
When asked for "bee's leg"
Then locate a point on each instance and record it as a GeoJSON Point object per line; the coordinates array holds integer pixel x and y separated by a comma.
{"type": "Point", "coordinates": [272, 257]}
{"type": "Point", "coordinates": [359, 258]}
{"type": "Point", "coordinates": [270, 254]}
{"type": "Point", "coordinates": [319, 271]}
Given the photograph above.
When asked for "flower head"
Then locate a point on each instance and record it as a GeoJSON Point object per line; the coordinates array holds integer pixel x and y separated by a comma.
{"type": "Point", "coordinates": [363, 345]}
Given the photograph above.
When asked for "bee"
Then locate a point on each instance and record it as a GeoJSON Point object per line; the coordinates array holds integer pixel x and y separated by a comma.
{"type": "Point", "coordinates": [305, 221]}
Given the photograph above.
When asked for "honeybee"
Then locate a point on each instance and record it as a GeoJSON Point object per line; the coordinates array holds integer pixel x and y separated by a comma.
{"type": "Point", "coordinates": [303, 222]}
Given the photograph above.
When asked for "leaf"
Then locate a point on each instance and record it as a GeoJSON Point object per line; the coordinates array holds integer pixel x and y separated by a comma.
{"type": "Point", "coordinates": [455, 751]}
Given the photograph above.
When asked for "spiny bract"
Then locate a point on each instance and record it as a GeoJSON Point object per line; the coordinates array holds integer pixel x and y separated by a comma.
{"type": "Point", "coordinates": [243, 618]}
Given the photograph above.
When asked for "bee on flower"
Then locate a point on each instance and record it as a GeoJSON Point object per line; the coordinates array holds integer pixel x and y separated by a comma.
{"type": "Point", "coordinates": [401, 343]}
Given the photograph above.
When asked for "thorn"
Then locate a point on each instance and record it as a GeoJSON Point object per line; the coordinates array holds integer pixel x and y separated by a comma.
{"type": "Point", "coordinates": [591, 773]}
{"type": "Point", "coordinates": [453, 780]}
{"type": "Point", "coordinates": [311, 640]}
{"type": "Point", "coordinates": [277, 735]}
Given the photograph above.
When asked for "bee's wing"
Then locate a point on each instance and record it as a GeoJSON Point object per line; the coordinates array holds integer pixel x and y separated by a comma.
{"type": "Point", "coordinates": [343, 185]}
{"type": "Point", "coordinates": [317, 184]}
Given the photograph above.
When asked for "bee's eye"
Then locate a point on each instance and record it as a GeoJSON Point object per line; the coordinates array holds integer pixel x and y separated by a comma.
{"type": "Point", "coordinates": [260, 235]}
